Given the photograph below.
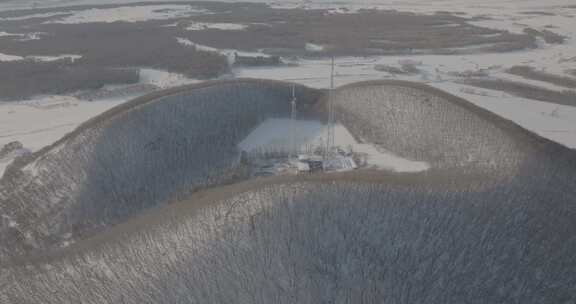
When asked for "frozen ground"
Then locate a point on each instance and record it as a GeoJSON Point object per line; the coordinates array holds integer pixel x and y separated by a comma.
{"type": "Point", "coordinates": [274, 135]}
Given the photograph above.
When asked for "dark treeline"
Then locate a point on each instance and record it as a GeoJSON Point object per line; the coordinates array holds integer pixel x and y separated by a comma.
{"type": "Point", "coordinates": [20, 80]}
{"type": "Point", "coordinates": [531, 73]}
{"type": "Point", "coordinates": [107, 51]}
{"type": "Point", "coordinates": [565, 97]}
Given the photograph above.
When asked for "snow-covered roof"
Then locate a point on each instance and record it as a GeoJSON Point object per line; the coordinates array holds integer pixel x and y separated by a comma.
{"type": "Point", "coordinates": [302, 166]}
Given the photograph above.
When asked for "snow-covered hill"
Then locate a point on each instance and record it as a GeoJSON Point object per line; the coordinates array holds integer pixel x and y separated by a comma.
{"type": "Point", "coordinates": [87, 219]}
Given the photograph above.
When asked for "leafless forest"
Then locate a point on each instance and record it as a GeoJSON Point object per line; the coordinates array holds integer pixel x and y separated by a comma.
{"type": "Point", "coordinates": [492, 219]}
{"type": "Point", "coordinates": [565, 97]}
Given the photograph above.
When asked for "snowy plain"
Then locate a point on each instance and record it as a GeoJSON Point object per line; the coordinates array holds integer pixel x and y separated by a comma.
{"type": "Point", "coordinates": [41, 121]}
{"type": "Point", "coordinates": [6, 57]}
{"type": "Point", "coordinates": [108, 15]}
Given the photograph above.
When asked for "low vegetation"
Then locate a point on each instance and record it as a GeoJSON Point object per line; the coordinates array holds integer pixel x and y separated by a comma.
{"type": "Point", "coordinates": [565, 97]}
{"type": "Point", "coordinates": [286, 32]}
{"type": "Point", "coordinates": [531, 73]}
{"type": "Point", "coordinates": [404, 69]}
{"type": "Point", "coordinates": [20, 80]}
{"type": "Point", "coordinates": [108, 52]}
{"type": "Point", "coordinates": [9, 148]}
{"type": "Point", "coordinates": [547, 35]}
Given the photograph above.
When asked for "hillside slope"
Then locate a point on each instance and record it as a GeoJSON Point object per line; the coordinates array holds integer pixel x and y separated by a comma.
{"type": "Point", "coordinates": [492, 221]}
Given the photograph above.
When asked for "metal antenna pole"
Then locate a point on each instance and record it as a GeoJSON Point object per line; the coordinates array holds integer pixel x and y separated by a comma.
{"type": "Point", "coordinates": [292, 123]}
{"type": "Point", "coordinates": [329, 126]}
{"type": "Point", "coordinates": [332, 116]}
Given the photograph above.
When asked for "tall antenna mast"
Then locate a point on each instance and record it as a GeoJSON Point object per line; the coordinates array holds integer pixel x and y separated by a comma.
{"type": "Point", "coordinates": [292, 122]}
{"type": "Point", "coordinates": [330, 123]}
{"type": "Point", "coordinates": [332, 116]}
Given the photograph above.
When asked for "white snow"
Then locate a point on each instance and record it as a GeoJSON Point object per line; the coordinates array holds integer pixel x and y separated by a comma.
{"type": "Point", "coordinates": [421, 6]}
{"type": "Point", "coordinates": [274, 135]}
{"type": "Point", "coordinates": [229, 53]}
{"type": "Point", "coordinates": [6, 57]}
{"type": "Point", "coordinates": [185, 42]}
{"type": "Point", "coordinates": [311, 47]}
{"type": "Point", "coordinates": [24, 37]}
{"type": "Point", "coordinates": [199, 26]}
{"type": "Point", "coordinates": [24, 17]}
{"type": "Point", "coordinates": [42, 120]}
{"type": "Point", "coordinates": [55, 58]}
{"type": "Point", "coordinates": [130, 14]}
{"type": "Point", "coordinates": [164, 79]}
{"type": "Point", "coordinates": [33, 36]}
{"type": "Point", "coordinates": [118, 14]}
{"type": "Point", "coordinates": [200, 47]}
{"type": "Point", "coordinates": [6, 34]}
{"type": "Point", "coordinates": [553, 121]}
{"type": "Point", "coordinates": [46, 119]}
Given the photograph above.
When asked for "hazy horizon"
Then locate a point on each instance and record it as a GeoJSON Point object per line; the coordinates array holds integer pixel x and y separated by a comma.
{"type": "Point", "coordinates": [524, 4]}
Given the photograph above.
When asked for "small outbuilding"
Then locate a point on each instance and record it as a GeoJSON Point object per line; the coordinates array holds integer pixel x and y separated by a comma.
{"type": "Point", "coordinates": [303, 167]}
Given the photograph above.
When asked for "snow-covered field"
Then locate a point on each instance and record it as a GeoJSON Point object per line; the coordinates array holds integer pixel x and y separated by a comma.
{"type": "Point", "coordinates": [6, 57]}
{"type": "Point", "coordinates": [41, 121]}
{"type": "Point", "coordinates": [199, 26]}
{"type": "Point", "coordinates": [123, 14]}
{"type": "Point", "coordinates": [163, 79]}
{"type": "Point", "coordinates": [308, 135]}
{"type": "Point", "coordinates": [24, 37]}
